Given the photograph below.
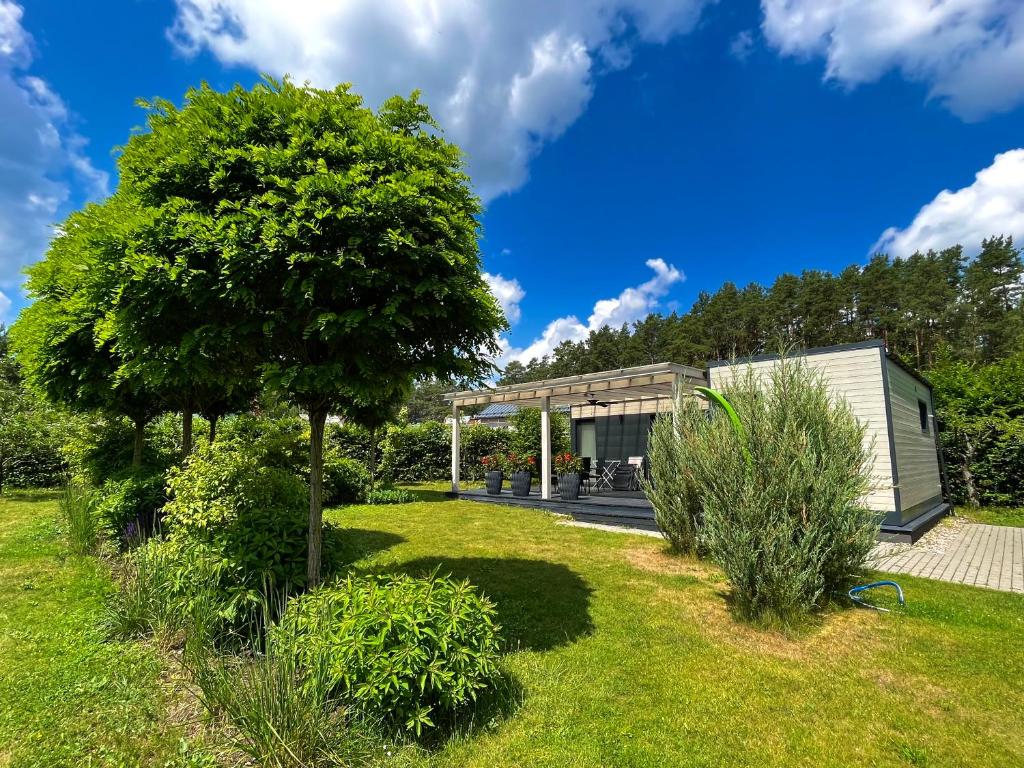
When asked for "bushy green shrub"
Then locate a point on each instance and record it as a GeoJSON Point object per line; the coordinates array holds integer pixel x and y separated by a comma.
{"type": "Point", "coordinates": [788, 525]}
{"type": "Point", "coordinates": [129, 507]}
{"type": "Point", "coordinates": [351, 441]}
{"type": "Point", "coordinates": [390, 496]}
{"type": "Point", "coordinates": [980, 409]}
{"type": "Point", "coordinates": [672, 486]}
{"type": "Point", "coordinates": [346, 481]}
{"type": "Point", "coordinates": [99, 449]}
{"type": "Point", "coordinates": [235, 516]}
{"type": "Point", "coordinates": [408, 651]}
{"type": "Point", "coordinates": [417, 451]}
{"type": "Point", "coordinates": [524, 439]}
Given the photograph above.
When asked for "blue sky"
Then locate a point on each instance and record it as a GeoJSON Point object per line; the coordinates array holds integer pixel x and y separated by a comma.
{"type": "Point", "coordinates": [631, 153]}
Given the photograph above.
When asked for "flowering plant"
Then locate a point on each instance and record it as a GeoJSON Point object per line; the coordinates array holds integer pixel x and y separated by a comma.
{"type": "Point", "coordinates": [518, 462]}
{"type": "Point", "coordinates": [566, 463]}
{"type": "Point", "coordinates": [493, 463]}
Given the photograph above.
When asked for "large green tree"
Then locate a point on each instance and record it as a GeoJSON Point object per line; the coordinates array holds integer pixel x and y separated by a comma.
{"type": "Point", "coordinates": [66, 340]}
{"type": "Point", "coordinates": [340, 243]}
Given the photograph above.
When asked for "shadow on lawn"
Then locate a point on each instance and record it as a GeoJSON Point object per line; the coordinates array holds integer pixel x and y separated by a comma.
{"type": "Point", "coordinates": [540, 605]}
{"type": "Point", "coordinates": [345, 546]}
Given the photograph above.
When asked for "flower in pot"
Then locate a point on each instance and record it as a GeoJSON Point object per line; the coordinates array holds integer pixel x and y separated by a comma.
{"type": "Point", "coordinates": [494, 472]}
{"type": "Point", "coordinates": [568, 468]}
{"type": "Point", "coordinates": [521, 468]}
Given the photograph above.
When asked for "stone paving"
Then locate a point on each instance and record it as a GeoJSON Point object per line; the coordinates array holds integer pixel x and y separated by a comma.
{"type": "Point", "coordinates": [962, 553]}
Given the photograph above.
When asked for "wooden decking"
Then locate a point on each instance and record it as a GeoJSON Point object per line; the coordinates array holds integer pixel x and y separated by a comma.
{"type": "Point", "coordinates": [631, 510]}
{"type": "Point", "coordinates": [966, 553]}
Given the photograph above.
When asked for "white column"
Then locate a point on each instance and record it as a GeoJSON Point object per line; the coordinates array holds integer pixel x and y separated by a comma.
{"type": "Point", "coordinates": [456, 438]}
{"type": "Point", "coordinates": [545, 448]}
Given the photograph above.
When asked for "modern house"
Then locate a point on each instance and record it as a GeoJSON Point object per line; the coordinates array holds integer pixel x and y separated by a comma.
{"type": "Point", "coordinates": [612, 413]}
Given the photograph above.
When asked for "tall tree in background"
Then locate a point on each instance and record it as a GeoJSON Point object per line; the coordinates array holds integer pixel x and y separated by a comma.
{"type": "Point", "coordinates": [992, 284]}
{"type": "Point", "coordinates": [344, 242]}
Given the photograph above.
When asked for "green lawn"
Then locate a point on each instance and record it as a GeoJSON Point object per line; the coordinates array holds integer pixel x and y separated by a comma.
{"type": "Point", "coordinates": [626, 656]}
{"type": "Point", "coordinates": [67, 696]}
{"type": "Point", "coordinates": [994, 515]}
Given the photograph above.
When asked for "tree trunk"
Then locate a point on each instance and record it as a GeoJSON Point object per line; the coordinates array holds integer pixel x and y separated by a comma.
{"type": "Point", "coordinates": [373, 457]}
{"type": "Point", "coordinates": [317, 419]}
{"type": "Point", "coordinates": [972, 491]}
{"type": "Point", "coordinates": [213, 429]}
{"type": "Point", "coordinates": [140, 440]}
{"type": "Point", "coordinates": [186, 431]}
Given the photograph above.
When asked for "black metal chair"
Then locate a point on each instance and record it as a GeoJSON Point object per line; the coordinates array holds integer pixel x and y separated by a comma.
{"type": "Point", "coordinates": [585, 475]}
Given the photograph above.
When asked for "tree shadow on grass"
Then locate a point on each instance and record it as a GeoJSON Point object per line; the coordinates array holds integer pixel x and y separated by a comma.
{"type": "Point", "coordinates": [345, 546]}
{"type": "Point", "coordinates": [540, 605]}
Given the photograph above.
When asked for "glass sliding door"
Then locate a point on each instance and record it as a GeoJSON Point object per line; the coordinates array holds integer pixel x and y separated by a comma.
{"type": "Point", "coordinates": [586, 440]}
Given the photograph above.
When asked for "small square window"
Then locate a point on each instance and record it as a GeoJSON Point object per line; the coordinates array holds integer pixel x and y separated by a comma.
{"type": "Point", "coordinates": [922, 410]}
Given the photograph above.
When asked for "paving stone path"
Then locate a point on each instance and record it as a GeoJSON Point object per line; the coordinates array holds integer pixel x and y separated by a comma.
{"type": "Point", "coordinates": [962, 553]}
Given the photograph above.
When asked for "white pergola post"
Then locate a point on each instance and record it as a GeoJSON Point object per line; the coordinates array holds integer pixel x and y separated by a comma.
{"type": "Point", "coordinates": [456, 438]}
{"type": "Point", "coordinates": [545, 448]}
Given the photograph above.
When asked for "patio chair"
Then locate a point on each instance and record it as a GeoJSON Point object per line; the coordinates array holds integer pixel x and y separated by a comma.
{"type": "Point", "coordinates": [637, 463]}
{"type": "Point", "coordinates": [585, 475]}
{"type": "Point", "coordinates": [624, 478]}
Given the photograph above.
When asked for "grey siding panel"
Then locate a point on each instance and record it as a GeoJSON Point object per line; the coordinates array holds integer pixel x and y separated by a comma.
{"type": "Point", "coordinates": [918, 463]}
{"type": "Point", "coordinates": [854, 375]}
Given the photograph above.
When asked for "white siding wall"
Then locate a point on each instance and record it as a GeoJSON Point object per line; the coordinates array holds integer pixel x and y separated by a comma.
{"type": "Point", "coordinates": [856, 376]}
{"type": "Point", "coordinates": [916, 460]}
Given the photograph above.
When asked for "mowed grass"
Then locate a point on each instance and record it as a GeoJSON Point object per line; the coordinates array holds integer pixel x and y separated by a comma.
{"type": "Point", "coordinates": [629, 656]}
{"type": "Point", "coordinates": [1013, 516]}
{"type": "Point", "coordinates": [623, 654]}
{"type": "Point", "coordinates": [68, 697]}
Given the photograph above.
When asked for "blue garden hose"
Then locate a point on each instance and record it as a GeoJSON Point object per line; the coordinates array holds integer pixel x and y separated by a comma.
{"type": "Point", "coordinates": [855, 594]}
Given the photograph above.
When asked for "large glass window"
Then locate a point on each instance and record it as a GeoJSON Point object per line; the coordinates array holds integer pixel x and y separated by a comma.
{"type": "Point", "coordinates": [586, 440]}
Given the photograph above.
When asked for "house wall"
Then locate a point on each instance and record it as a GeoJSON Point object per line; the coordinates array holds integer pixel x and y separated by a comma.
{"type": "Point", "coordinates": [617, 437]}
{"type": "Point", "coordinates": [856, 375]}
{"type": "Point", "coordinates": [920, 485]}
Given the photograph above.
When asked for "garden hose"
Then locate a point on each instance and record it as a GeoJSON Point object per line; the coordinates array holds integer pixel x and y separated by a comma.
{"type": "Point", "coordinates": [855, 594]}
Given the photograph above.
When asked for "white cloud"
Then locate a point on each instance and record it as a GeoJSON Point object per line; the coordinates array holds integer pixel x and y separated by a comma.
{"type": "Point", "coordinates": [992, 205]}
{"type": "Point", "coordinates": [502, 78]}
{"type": "Point", "coordinates": [629, 306]}
{"type": "Point", "coordinates": [509, 293]}
{"type": "Point", "coordinates": [40, 156]}
{"type": "Point", "coordinates": [970, 53]}
{"type": "Point", "coordinates": [742, 45]}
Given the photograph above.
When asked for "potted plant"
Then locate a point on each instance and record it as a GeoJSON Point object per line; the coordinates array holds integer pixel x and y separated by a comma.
{"type": "Point", "coordinates": [521, 468]}
{"type": "Point", "coordinates": [568, 468]}
{"type": "Point", "coordinates": [494, 473]}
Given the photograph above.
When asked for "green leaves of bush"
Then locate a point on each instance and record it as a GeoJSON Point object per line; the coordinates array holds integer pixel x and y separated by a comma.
{"type": "Point", "coordinates": [407, 651]}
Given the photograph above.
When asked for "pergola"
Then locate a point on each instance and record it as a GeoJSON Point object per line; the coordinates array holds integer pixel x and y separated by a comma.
{"type": "Point", "coordinates": [643, 383]}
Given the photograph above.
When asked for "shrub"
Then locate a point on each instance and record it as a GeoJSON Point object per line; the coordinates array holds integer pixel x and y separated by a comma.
{"type": "Point", "coordinates": [80, 523]}
{"type": "Point", "coordinates": [346, 481]}
{"type": "Point", "coordinates": [788, 525]}
{"type": "Point", "coordinates": [390, 496]}
{"type": "Point", "coordinates": [405, 650]}
{"type": "Point", "coordinates": [129, 507]}
{"type": "Point", "coordinates": [417, 452]}
{"type": "Point", "coordinates": [672, 486]}
{"type": "Point", "coordinates": [242, 521]}
{"type": "Point", "coordinates": [100, 449]}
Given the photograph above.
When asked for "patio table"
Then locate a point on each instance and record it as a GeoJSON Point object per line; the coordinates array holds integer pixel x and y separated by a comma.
{"type": "Point", "coordinates": [604, 480]}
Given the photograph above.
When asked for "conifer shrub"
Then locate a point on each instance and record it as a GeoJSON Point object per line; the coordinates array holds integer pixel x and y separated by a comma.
{"type": "Point", "coordinates": [779, 505]}
{"type": "Point", "coordinates": [408, 652]}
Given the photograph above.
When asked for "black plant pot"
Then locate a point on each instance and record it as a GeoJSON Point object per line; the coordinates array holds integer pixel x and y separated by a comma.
{"type": "Point", "coordinates": [521, 483]}
{"type": "Point", "coordinates": [494, 481]}
{"type": "Point", "coordinates": [569, 486]}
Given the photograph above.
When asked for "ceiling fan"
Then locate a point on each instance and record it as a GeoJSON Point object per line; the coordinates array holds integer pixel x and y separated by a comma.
{"type": "Point", "coordinates": [592, 400]}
